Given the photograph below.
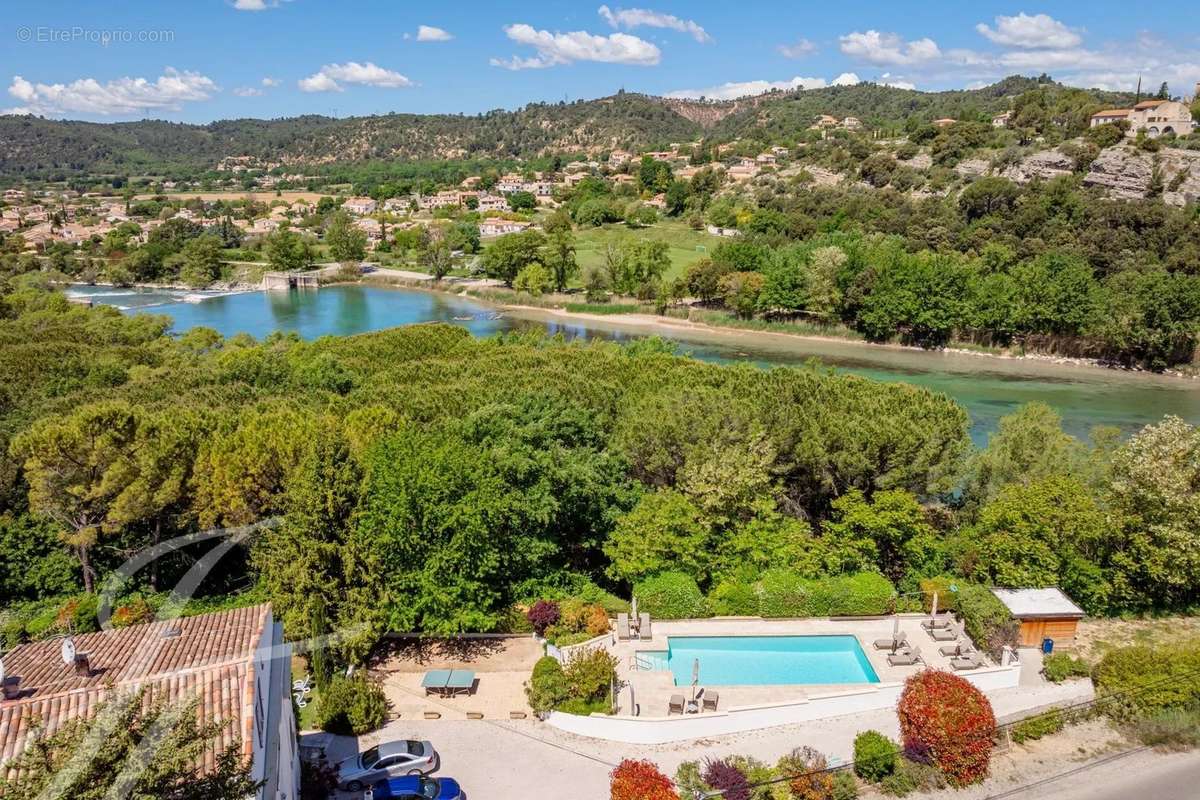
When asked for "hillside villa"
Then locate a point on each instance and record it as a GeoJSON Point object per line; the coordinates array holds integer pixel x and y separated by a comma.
{"type": "Point", "coordinates": [1155, 117]}
{"type": "Point", "coordinates": [235, 663]}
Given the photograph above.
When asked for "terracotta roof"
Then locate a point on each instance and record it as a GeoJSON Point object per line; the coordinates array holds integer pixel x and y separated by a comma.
{"type": "Point", "coordinates": [1112, 112]}
{"type": "Point", "coordinates": [1150, 104]}
{"type": "Point", "coordinates": [212, 658]}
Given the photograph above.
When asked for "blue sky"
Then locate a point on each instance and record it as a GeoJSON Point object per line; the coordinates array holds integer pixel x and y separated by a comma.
{"type": "Point", "coordinates": [199, 60]}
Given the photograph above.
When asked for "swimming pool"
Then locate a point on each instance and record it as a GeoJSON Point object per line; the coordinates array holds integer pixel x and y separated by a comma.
{"type": "Point", "coordinates": [763, 660]}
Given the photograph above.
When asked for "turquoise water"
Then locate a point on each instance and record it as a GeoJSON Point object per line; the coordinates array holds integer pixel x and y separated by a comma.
{"type": "Point", "coordinates": [987, 387]}
{"type": "Point", "coordinates": [763, 660]}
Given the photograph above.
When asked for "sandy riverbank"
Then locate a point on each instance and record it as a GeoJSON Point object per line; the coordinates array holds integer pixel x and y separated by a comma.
{"type": "Point", "coordinates": [953, 359]}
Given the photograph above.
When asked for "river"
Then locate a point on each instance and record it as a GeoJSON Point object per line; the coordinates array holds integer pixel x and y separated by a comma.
{"type": "Point", "coordinates": [987, 387]}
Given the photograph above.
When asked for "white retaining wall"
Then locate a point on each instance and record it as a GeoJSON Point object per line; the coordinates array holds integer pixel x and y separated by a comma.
{"type": "Point", "coordinates": [658, 730]}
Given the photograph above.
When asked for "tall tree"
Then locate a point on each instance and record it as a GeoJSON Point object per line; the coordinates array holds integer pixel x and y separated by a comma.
{"type": "Point", "coordinates": [347, 242]}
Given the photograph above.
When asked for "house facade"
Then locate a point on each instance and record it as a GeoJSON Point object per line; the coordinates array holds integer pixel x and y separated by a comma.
{"type": "Point", "coordinates": [235, 663]}
{"type": "Point", "coordinates": [1155, 117]}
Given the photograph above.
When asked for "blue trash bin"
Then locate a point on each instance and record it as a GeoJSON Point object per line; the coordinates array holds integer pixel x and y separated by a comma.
{"type": "Point", "coordinates": [1047, 646]}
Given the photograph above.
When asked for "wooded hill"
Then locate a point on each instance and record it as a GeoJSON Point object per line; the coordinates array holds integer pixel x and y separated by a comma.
{"type": "Point", "coordinates": [36, 147]}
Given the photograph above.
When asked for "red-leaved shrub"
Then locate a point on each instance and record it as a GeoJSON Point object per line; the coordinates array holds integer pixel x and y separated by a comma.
{"type": "Point", "coordinates": [640, 780]}
{"type": "Point", "coordinates": [727, 779]}
{"type": "Point", "coordinates": [947, 721]}
{"type": "Point", "coordinates": [542, 615]}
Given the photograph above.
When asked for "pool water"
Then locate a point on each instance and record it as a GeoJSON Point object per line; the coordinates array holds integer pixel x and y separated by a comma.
{"type": "Point", "coordinates": [763, 660]}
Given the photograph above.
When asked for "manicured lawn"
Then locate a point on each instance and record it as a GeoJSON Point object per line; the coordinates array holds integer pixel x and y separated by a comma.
{"type": "Point", "coordinates": [687, 246]}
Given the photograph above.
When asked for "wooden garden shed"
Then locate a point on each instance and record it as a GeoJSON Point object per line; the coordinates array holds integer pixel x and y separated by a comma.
{"type": "Point", "coordinates": [1043, 614]}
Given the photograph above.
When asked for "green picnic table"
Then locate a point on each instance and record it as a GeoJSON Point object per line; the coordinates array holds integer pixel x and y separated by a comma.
{"type": "Point", "coordinates": [448, 682]}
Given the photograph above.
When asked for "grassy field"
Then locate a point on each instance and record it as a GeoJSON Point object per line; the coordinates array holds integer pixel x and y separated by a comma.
{"type": "Point", "coordinates": [1097, 636]}
{"type": "Point", "coordinates": [687, 246]}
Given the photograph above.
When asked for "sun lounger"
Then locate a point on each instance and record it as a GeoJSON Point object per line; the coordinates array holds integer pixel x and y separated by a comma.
{"type": "Point", "coordinates": [942, 634]}
{"type": "Point", "coordinates": [644, 626]}
{"type": "Point", "coordinates": [940, 621]}
{"type": "Point", "coordinates": [905, 659]}
{"type": "Point", "coordinates": [972, 661]}
{"type": "Point", "coordinates": [675, 705]}
{"type": "Point", "coordinates": [710, 700]}
{"type": "Point", "coordinates": [956, 649]}
{"type": "Point", "coordinates": [893, 644]}
{"type": "Point", "coordinates": [623, 627]}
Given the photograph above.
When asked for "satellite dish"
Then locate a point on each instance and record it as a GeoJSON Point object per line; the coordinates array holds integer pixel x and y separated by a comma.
{"type": "Point", "coordinates": [68, 651]}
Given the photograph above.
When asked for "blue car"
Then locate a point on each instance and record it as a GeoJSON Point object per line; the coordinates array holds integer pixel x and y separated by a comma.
{"type": "Point", "coordinates": [417, 787]}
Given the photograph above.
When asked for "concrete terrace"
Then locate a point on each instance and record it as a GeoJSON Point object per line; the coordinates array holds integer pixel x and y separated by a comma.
{"type": "Point", "coordinates": [653, 689]}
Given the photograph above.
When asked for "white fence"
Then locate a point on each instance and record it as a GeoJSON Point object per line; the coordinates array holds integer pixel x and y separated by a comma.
{"type": "Point", "coordinates": [658, 730]}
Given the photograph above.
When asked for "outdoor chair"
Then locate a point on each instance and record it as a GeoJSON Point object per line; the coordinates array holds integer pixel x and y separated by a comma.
{"type": "Point", "coordinates": [675, 704]}
{"type": "Point", "coordinates": [943, 634]}
{"type": "Point", "coordinates": [956, 649]}
{"type": "Point", "coordinates": [644, 626]}
{"type": "Point", "coordinates": [905, 659]}
{"type": "Point", "coordinates": [623, 627]}
{"type": "Point", "coordinates": [940, 621]}
{"type": "Point", "coordinates": [710, 700]}
{"type": "Point", "coordinates": [971, 661]}
{"type": "Point", "coordinates": [893, 644]}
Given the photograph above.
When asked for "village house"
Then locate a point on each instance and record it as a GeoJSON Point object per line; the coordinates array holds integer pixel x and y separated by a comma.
{"type": "Point", "coordinates": [470, 182]}
{"type": "Point", "coordinates": [397, 204]}
{"type": "Point", "coordinates": [1155, 117]}
{"type": "Point", "coordinates": [492, 202]}
{"type": "Point", "coordinates": [360, 205]}
{"type": "Point", "coordinates": [574, 178]}
{"type": "Point", "coordinates": [824, 121]}
{"type": "Point", "coordinates": [1002, 120]}
{"type": "Point", "coordinates": [510, 183]}
{"type": "Point", "coordinates": [619, 158]}
{"type": "Point", "coordinates": [851, 123]}
{"type": "Point", "coordinates": [235, 664]}
{"type": "Point", "coordinates": [372, 228]}
{"type": "Point", "coordinates": [493, 226]}
{"type": "Point", "coordinates": [944, 122]}
{"type": "Point", "coordinates": [439, 200]}
{"type": "Point", "coordinates": [14, 195]}
{"type": "Point", "coordinates": [779, 152]}
{"type": "Point", "coordinates": [719, 231]}
{"type": "Point", "coordinates": [765, 159]}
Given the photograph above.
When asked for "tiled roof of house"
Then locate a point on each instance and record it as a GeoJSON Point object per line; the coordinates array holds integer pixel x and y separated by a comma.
{"type": "Point", "coordinates": [211, 658]}
{"type": "Point", "coordinates": [1112, 112]}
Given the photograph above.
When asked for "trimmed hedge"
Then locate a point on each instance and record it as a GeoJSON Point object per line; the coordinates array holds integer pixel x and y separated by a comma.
{"type": "Point", "coordinates": [670, 595]}
{"type": "Point", "coordinates": [986, 620]}
{"type": "Point", "coordinates": [783, 593]}
{"type": "Point", "coordinates": [946, 720]}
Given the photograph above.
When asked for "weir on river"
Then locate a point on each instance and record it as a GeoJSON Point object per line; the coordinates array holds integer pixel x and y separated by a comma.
{"type": "Point", "coordinates": [987, 387]}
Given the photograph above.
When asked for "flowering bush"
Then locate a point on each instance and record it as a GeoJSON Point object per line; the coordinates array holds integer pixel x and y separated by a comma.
{"type": "Point", "coordinates": [542, 615]}
{"type": "Point", "coordinates": [809, 780]}
{"type": "Point", "coordinates": [727, 779]}
{"type": "Point", "coordinates": [640, 780]}
{"type": "Point", "coordinates": [947, 721]}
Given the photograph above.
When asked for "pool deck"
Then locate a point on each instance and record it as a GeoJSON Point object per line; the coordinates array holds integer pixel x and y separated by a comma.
{"type": "Point", "coordinates": [653, 689]}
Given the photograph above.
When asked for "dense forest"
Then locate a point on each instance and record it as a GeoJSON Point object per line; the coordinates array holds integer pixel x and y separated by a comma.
{"type": "Point", "coordinates": [36, 147]}
{"type": "Point", "coordinates": [429, 481]}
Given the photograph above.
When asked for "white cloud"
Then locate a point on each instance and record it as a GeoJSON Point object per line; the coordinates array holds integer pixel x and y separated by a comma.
{"type": "Point", "coordinates": [887, 79]}
{"type": "Point", "coordinates": [1023, 30]}
{"type": "Point", "coordinates": [331, 77]}
{"type": "Point", "coordinates": [269, 82]}
{"type": "Point", "coordinates": [565, 48]}
{"type": "Point", "coordinates": [256, 5]}
{"type": "Point", "coordinates": [846, 79]}
{"type": "Point", "coordinates": [799, 49]}
{"type": "Point", "coordinates": [629, 18]}
{"type": "Point", "coordinates": [248, 91]}
{"type": "Point", "coordinates": [888, 48]}
{"type": "Point", "coordinates": [735, 89]}
{"type": "Point", "coordinates": [428, 33]}
{"type": "Point", "coordinates": [168, 92]}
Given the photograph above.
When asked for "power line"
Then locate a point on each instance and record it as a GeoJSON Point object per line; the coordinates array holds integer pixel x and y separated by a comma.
{"type": "Point", "coordinates": [990, 733]}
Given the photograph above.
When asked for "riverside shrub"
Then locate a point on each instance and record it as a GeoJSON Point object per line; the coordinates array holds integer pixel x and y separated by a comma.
{"type": "Point", "coordinates": [671, 595]}
{"type": "Point", "coordinates": [947, 720]}
{"type": "Point", "coordinates": [874, 756]}
{"type": "Point", "coordinates": [640, 780]}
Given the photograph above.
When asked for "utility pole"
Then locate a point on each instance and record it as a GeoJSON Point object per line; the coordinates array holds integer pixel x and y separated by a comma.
{"type": "Point", "coordinates": [1138, 97]}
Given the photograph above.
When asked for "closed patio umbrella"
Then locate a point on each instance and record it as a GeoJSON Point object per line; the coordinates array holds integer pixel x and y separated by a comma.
{"type": "Point", "coordinates": [695, 677]}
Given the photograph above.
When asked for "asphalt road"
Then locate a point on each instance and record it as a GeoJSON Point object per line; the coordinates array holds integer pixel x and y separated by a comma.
{"type": "Point", "coordinates": [1141, 776]}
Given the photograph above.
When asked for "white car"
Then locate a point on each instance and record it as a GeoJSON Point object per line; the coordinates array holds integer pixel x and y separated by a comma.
{"type": "Point", "coordinates": [387, 760]}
